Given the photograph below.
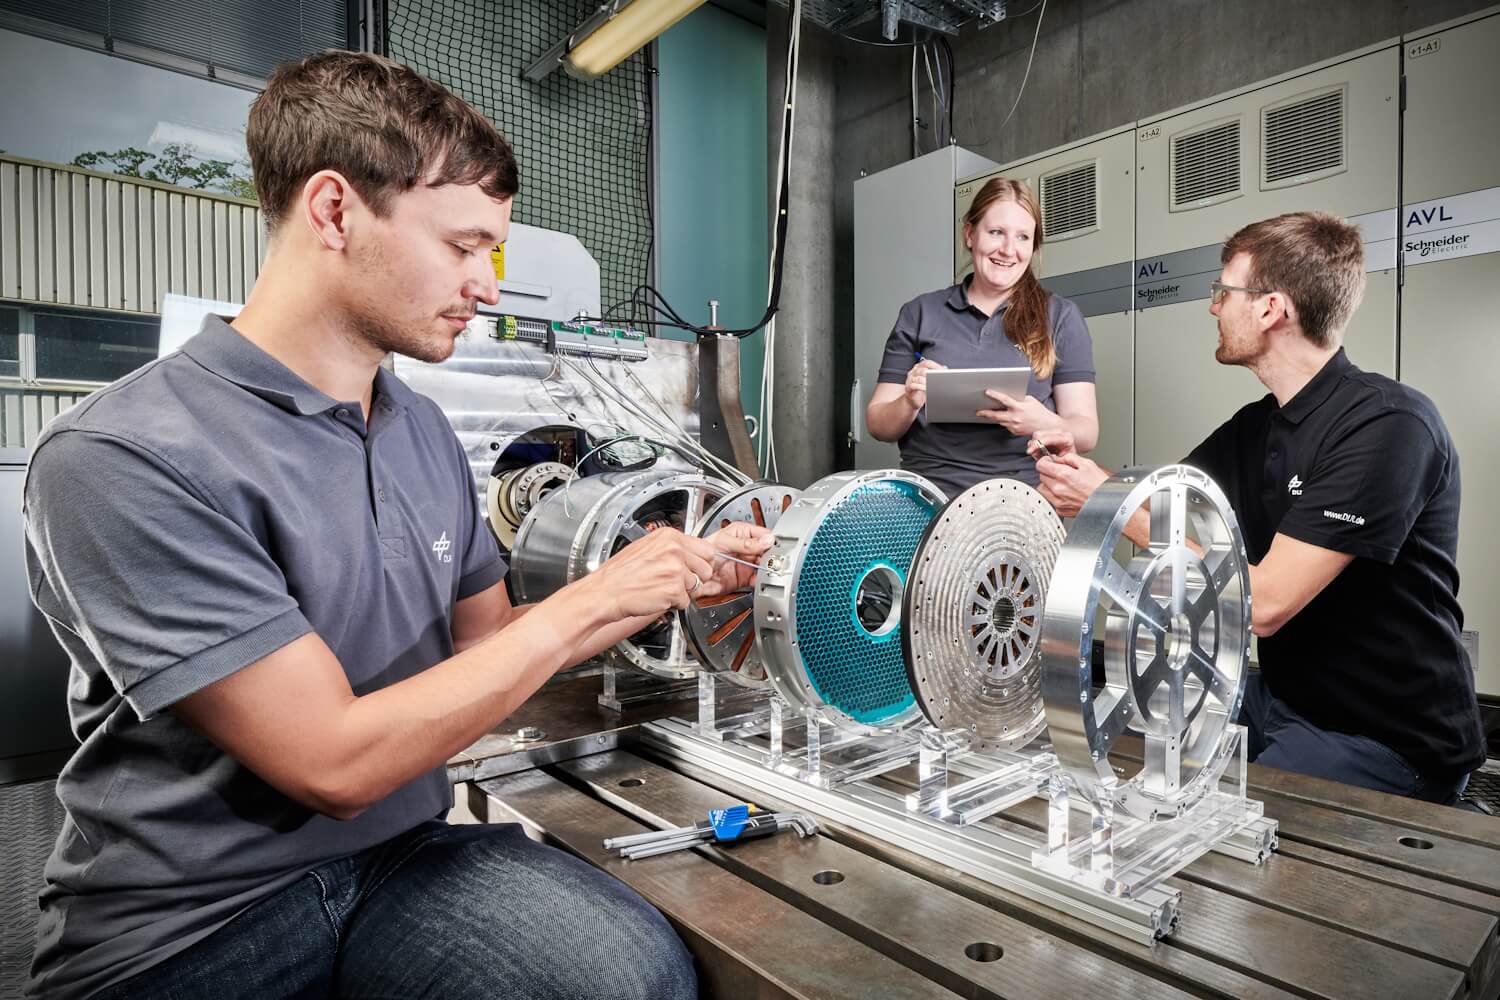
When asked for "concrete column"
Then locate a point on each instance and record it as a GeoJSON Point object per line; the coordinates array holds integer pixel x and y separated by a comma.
{"type": "Point", "coordinates": [804, 418]}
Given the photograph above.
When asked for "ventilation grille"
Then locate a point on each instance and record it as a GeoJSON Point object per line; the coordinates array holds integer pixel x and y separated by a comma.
{"type": "Point", "coordinates": [1070, 201]}
{"type": "Point", "coordinates": [1304, 139]}
{"type": "Point", "coordinates": [1206, 165]}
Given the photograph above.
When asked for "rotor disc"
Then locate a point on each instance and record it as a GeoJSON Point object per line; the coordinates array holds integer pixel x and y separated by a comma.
{"type": "Point", "coordinates": [511, 495]}
{"type": "Point", "coordinates": [974, 603]}
{"type": "Point", "coordinates": [721, 629]}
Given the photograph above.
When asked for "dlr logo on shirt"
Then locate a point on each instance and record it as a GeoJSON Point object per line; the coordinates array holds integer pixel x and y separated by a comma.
{"type": "Point", "coordinates": [441, 547]}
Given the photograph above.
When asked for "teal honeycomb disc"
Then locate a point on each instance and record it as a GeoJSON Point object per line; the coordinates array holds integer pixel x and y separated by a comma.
{"type": "Point", "coordinates": [850, 651]}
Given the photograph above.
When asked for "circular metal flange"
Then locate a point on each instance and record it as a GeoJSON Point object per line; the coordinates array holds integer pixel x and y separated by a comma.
{"type": "Point", "coordinates": [972, 619]}
{"type": "Point", "coordinates": [573, 530]}
{"type": "Point", "coordinates": [721, 629]}
{"type": "Point", "coordinates": [1176, 625]}
{"type": "Point", "coordinates": [511, 495]}
{"type": "Point", "coordinates": [828, 597]}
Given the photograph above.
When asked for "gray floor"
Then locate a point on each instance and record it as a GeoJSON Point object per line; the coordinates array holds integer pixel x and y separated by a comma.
{"type": "Point", "coordinates": [30, 817]}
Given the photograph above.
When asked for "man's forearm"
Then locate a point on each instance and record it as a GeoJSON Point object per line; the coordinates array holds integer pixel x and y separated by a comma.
{"type": "Point", "coordinates": [391, 736]}
{"type": "Point", "coordinates": [593, 643]}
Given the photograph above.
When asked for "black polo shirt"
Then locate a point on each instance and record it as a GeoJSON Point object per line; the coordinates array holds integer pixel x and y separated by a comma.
{"type": "Point", "coordinates": [943, 326]}
{"type": "Point", "coordinates": [1360, 464]}
{"type": "Point", "coordinates": [181, 524]}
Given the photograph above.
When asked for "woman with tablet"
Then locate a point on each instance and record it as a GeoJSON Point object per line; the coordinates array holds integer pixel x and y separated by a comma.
{"type": "Point", "coordinates": [996, 318]}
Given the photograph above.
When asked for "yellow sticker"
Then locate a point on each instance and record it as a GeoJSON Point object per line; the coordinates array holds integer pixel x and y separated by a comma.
{"type": "Point", "coordinates": [497, 259]}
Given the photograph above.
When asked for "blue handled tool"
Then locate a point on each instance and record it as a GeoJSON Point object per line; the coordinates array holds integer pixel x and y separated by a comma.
{"type": "Point", "coordinates": [731, 823]}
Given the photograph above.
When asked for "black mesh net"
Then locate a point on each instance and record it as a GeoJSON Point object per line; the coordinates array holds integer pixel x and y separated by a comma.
{"type": "Point", "coordinates": [583, 146]}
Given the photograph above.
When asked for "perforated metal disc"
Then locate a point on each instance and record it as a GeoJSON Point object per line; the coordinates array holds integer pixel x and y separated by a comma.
{"type": "Point", "coordinates": [722, 629]}
{"type": "Point", "coordinates": [828, 599]}
{"type": "Point", "coordinates": [972, 621]}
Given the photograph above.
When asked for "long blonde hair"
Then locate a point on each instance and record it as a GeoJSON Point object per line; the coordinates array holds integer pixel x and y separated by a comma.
{"type": "Point", "coordinates": [1026, 321]}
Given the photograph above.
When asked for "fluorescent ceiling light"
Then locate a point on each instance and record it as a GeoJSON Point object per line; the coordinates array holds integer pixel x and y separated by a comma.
{"type": "Point", "coordinates": [615, 33]}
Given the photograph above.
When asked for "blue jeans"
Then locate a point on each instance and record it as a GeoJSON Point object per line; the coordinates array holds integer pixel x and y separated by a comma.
{"type": "Point", "coordinates": [1281, 738]}
{"type": "Point", "coordinates": [441, 911]}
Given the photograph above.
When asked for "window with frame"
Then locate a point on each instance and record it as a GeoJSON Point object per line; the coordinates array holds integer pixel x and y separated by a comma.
{"type": "Point", "coordinates": [76, 346]}
{"type": "Point", "coordinates": [10, 343]}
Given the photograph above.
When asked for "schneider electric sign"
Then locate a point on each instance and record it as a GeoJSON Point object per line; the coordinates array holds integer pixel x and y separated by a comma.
{"type": "Point", "coordinates": [1458, 226]}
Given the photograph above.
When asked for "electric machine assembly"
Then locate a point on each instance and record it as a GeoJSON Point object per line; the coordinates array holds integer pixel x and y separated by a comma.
{"type": "Point", "coordinates": [948, 647]}
{"type": "Point", "coordinates": [571, 532]}
{"type": "Point", "coordinates": [903, 665]}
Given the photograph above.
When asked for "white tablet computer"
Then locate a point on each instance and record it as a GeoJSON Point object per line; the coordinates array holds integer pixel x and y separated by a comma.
{"type": "Point", "coordinates": [955, 394]}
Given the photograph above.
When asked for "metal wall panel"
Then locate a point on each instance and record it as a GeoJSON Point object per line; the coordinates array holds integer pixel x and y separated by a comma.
{"type": "Point", "coordinates": [10, 227]}
{"type": "Point", "coordinates": [1182, 393]}
{"type": "Point", "coordinates": [74, 238]}
{"type": "Point", "coordinates": [1452, 295]}
{"type": "Point", "coordinates": [46, 251]}
{"type": "Point", "coordinates": [25, 410]}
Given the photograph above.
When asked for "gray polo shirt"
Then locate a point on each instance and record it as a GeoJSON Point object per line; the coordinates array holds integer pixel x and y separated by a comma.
{"type": "Point", "coordinates": [942, 326]}
{"type": "Point", "coordinates": [181, 524]}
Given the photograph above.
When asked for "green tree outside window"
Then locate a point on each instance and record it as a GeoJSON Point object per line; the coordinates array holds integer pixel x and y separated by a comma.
{"type": "Point", "coordinates": [175, 165]}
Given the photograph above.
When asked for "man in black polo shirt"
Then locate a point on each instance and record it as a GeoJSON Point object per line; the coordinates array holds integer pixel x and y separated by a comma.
{"type": "Point", "coordinates": [1346, 486]}
{"type": "Point", "coordinates": [265, 557]}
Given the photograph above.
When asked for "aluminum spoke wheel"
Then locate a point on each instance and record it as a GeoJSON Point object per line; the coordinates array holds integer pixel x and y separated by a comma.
{"type": "Point", "coordinates": [1176, 624]}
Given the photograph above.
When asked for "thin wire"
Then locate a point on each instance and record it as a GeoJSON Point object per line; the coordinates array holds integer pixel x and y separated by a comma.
{"type": "Point", "coordinates": [686, 446]}
{"type": "Point", "coordinates": [783, 159]}
{"type": "Point", "coordinates": [879, 45]}
{"type": "Point", "coordinates": [567, 507]}
{"type": "Point", "coordinates": [947, 51]}
{"type": "Point", "coordinates": [937, 97]}
{"type": "Point", "coordinates": [916, 146]}
{"type": "Point", "coordinates": [1017, 17]}
{"type": "Point", "coordinates": [1027, 76]}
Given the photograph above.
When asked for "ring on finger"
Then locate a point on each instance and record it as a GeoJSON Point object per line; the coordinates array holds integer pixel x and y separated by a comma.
{"type": "Point", "coordinates": [697, 582]}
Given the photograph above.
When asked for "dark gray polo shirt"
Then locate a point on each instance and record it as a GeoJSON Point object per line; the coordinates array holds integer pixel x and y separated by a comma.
{"type": "Point", "coordinates": [942, 326]}
{"type": "Point", "coordinates": [181, 524]}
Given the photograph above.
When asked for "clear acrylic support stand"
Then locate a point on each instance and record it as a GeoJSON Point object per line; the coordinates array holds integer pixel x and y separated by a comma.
{"type": "Point", "coordinates": [727, 710]}
{"type": "Point", "coordinates": [627, 688]}
{"type": "Point", "coordinates": [993, 782]}
{"type": "Point", "coordinates": [1095, 863]}
{"type": "Point", "coordinates": [828, 756]}
{"type": "Point", "coordinates": [1121, 855]}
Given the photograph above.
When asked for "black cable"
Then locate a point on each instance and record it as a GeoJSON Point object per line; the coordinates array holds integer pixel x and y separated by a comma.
{"type": "Point", "coordinates": [650, 78]}
{"type": "Point", "coordinates": [783, 202]}
{"type": "Point", "coordinates": [948, 50]}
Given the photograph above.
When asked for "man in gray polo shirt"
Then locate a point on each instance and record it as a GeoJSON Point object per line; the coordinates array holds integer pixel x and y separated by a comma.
{"type": "Point", "coordinates": [284, 611]}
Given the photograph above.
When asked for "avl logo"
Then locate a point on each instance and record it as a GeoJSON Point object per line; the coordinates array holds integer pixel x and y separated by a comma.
{"type": "Point", "coordinates": [1155, 269]}
{"type": "Point", "coordinates": [1427, 216]}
